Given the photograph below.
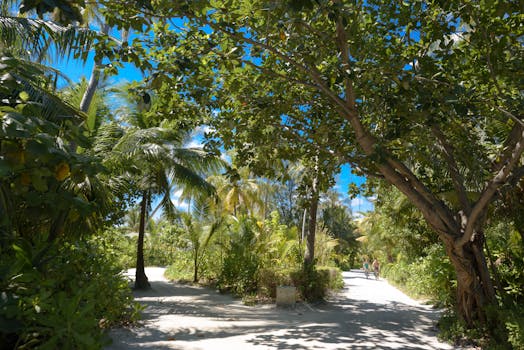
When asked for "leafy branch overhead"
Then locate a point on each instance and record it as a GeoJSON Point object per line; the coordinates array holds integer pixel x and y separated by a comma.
{"type": "Point", "coordinates": [364, 82]}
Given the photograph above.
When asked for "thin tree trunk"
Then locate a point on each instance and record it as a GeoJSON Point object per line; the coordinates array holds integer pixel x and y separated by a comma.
{"type": "Point", "coordinates": [141, 281]}
{"type": "Point", "coordinates": [94, 79]}
{"type": "Point", "coordinates": [304, 217]}
{"type": "Point", "coordinates": [312, 225]}
{"type": "Point", "coordinates": [309, 257]}
{"type": "Point", "coordinates": [195, 275]}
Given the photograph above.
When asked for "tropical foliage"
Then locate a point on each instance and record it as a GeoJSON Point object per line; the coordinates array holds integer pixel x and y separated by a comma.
{"type": "Point", "coordinates": [423, 98]}
{"type": "Point", "coordinates": [415, 262]}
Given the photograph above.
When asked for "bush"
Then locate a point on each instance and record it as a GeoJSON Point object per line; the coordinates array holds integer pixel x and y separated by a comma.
{"type": "Point", "coordinates": [314, 283]}
{"type": "Point", "coordinates": [239, 271]}
{"type": "Point", "coordinates": [431, 276]}
{"type": "Point", "coordinates": [241, 264]}
{"type": "Point", "coordinates": [270, 279]}
{"type": "Point", "coordinates": [118, 247]}
{"type": "Point", "coordinates": [61, 297]}
{"type": "Point", "coordinates": [506, 330]}
{"type": "Point", "coordinates": [514, 322]}
{"type": "Point", "coordinates": [181, 269]}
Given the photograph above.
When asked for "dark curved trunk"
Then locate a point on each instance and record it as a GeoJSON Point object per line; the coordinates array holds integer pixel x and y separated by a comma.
{"type": "Point", "coordinates": [141, 281]}
{"type": "Point", "coordinates": [474, 286]}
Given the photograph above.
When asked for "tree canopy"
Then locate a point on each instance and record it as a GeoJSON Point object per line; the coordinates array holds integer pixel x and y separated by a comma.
{"type": "Point", "coordinates": [423, 94]}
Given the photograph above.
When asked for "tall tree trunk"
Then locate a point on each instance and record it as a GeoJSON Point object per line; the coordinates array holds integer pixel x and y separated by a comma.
{"type": "Point", "coordinates": [309, 257]}
{"type": "Point", "coordinates": [141, 281]}
{"type": "Point", "coordinates": [195, 261]}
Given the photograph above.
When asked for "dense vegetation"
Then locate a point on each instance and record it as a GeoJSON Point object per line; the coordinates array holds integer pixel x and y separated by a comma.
{"type": "Point", "coordinates": [414, 261]}
{"type": "Point", "coordinates": [423, 98]}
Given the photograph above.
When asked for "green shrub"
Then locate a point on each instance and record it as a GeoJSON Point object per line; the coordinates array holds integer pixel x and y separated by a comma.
{"type": "Point", "coordinates": [270, 279]}
{"type": "Point", "coordinates": [514, 322]}
{"type": "Point", "coordinates": [241, 264]}
{"type": "Point", "coordinates": [239, 271]}
{"type": "Point", "coordinates": [117, 246]}
{"type": "Point", "coordinates": [181, 269]}
{"type": "Point", "coordinates": [452, 330]}
{"type": "Point", "coordinates": [431, 276]}
{"type": "Point", "coordinates": [506, 330]}
{"type": "Point", "coordinates": [61, 297]}
{"type": "Point", "coordinates": [335, 279]}
{"type": "Point", "coordinates": [313, 283]}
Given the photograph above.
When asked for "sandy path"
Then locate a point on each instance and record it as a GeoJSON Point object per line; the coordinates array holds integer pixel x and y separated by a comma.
{"type": "Point", "coordinates": [367, 314]}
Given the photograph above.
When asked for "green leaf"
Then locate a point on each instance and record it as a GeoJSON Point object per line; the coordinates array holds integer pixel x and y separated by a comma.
{"type": "Point", "coordinates": [39, 182]}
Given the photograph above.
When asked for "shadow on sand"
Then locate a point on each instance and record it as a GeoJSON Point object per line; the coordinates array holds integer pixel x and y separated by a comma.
{"type": "Point", "coordinates": [342, 323]}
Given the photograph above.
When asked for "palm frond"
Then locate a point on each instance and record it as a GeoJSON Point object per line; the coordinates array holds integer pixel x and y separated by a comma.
{"type": "Point", "coordinates": [107, 136]}
{"type": "Point", "coordinates": [169, 209]}
{"type": "Point", "coordinates": [212, 230]}
{"type": "Point", "coordinates": [199, 160]}
{"type": "Point", "coordinates": [36, 36]}
{"type": "Point", "coordinates": [74, 95]}
{"type": "Point", "coordinates": [41, 96]}
{"type": "Point", "coordinates": [6, 6]}
{"type": "Point", "coordinates": [185, 177]}
{"type": "Point", "coordinates": [134, 139]}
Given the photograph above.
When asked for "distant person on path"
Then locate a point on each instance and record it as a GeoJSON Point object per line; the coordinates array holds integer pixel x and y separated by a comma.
{"type": "Point", "coordinates": [376, 268]}
{"type": "Point", "coordinates": [366, 267]}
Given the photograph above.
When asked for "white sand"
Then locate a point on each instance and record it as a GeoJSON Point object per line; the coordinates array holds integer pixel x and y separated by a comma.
{"type": "Point", "coordinates": [367, 314]}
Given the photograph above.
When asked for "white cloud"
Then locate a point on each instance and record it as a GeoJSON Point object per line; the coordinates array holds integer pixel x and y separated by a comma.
{"type": "Point", "coordinates": [195, 143]}
{"type": "Point", "coordinates": [225, 157]}
{"type": "Point", "coordinates": [204, 129]}
{"type": "Point", "coordinates": [179, 203]}
{"type": "Point", "coordinates": [360, 205]}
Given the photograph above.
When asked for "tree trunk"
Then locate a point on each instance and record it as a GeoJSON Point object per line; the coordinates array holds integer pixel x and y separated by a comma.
{"type": "Point", "coordinates": [195, 275]}
{"type": "Point", "coordinates": [94, 79]}
{"type": "Point", "coordinates": [141, 281]}
{"type": "Point", "coordinates": [309, 257]}
{"type": "Point", "coordinates": [474, 287]}
{"type": "Point", "coordinates": [304, 218]}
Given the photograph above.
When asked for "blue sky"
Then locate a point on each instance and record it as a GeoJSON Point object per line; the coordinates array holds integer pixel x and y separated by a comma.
{"type": "Point", "coordinates": [75, 70]}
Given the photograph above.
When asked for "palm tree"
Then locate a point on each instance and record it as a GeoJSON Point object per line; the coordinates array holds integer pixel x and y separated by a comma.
{"type": "Point", "coordinates": [200, 231]}
{"type": "Point", "coordinates": [154, 159]}
{"type": "Point", "coordinates": [239, 192]}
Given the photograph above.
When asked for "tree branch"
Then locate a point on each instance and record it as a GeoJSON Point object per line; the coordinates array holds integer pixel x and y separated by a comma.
{"type": "Point", "coordinates": [279, 75]}
{"type": "Point", "coordinates": [310, 71]}
{"type": "Point", "coordinates": [510, 115]}
{"type": "Point", "coordinates": [392, 169]}
{"type": "Point", "coordinates": [503, 169]}
{"type": "Point", "coordinates": [456, 177]}
{"type": "Point", "coordinates": [344, 54]}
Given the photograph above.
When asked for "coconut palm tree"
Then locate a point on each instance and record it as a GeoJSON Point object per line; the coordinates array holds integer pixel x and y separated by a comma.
{"type": "Point", "coordinates": [239, 192]}
{"type": "Point", "coordinates": [154, 160]}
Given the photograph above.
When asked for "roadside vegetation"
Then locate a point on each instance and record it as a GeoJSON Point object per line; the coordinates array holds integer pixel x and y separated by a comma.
{"type": "Point", "coordinates": [417, 264]}
{"type": "Point", "coordinates": [220, 161]}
